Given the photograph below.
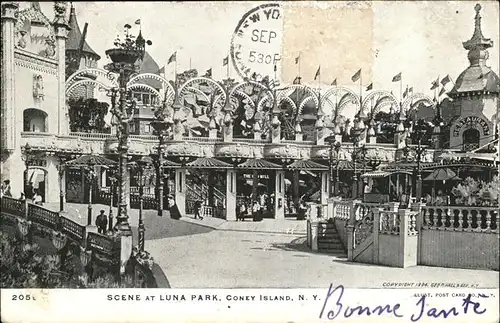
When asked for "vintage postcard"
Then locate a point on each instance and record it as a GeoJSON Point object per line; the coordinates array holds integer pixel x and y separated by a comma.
{"type": "Point", "coordinates": [293, 161]}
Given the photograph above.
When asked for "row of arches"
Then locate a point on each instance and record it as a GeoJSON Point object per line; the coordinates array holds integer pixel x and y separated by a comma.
{"type": "Point", "coordinates": [207, 103]}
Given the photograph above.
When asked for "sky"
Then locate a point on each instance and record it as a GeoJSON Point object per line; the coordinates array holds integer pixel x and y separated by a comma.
{"type": "Point", "coordinates": [422, 40]}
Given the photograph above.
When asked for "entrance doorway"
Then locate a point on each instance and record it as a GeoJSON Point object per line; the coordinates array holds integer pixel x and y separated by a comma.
{"type": "Point", "coordinates": [470, 139]}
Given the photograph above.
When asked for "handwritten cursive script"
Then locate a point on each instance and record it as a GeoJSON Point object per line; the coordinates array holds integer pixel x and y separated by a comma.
{"type": "Point", "coordinates": [334, 307]}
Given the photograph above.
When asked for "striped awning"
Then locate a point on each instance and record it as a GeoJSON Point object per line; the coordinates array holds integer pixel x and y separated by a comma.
{"type": "Point", "coordinates": [91, 160]}
{"type": "Point", "coordinates": [170, 164]}
{"type": "Point", "coordinates": [259, 164]}
{"type": "Point", "coordinates": [376, 174]}
{"type": "Point", "coordinates": [208, 163]}
{"type": "Point", "coordinates": [307, 165]}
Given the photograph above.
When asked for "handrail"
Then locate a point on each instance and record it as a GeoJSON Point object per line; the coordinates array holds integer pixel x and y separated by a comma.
{"type": "Point", "coordinates": [53, 220]}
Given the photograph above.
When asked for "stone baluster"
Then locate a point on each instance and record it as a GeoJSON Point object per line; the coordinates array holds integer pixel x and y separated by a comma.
{"type": "Point", "coordinates": [469, 220]}
{"type": "Point", "coordinates": [488, 220]}
{"type": "Point", "coordinates": [460, 219]}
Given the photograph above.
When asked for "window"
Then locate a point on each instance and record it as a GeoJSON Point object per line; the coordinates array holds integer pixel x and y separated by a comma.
{"type": "Point", "coordinates": [146, 98]}
{"type": "Point", "coordinates": [132, 127]}
{"type": "Point", "coordinates": [147, 129]}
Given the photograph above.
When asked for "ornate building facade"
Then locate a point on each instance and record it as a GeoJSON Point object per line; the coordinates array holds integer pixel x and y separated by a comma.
{"type": "Point", "coordinates": [36, 86]}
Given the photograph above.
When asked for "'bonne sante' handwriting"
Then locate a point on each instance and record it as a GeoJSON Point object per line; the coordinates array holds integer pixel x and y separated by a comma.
{"type": "Point", "coordinates": [334, 307]}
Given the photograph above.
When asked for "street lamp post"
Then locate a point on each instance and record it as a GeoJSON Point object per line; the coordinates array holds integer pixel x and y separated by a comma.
{"type": "Point", "coordinates": [162, 126]}
{"type": "Point", "coordinates": [26, 156]}
{"type": "Point", "coordinates": [113, 180]}
{"type": "Point", "coordinates": [90, 178]}
{"type": "Point", "coordinates": [124, 57]}
{"type": "Point", "coordinates": [336, 188]}
{"type": "Point", "coordinates": [420, 130]}
{"type": "Point", "coordinates": [355, 133]}
{"type": "Point", "coordinates": [144, 163]}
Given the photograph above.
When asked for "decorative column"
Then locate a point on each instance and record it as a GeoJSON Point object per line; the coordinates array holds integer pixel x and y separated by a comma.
{"type": "Point", "coordinates": [61, 30]}
{"type": "Point", "coordinates": [52, 189]}
{"type": "Point", "coordinates": [298, 132]}
{"type": "Point", "coordinates": [11, 165]}
{"type": "Point", "coordinates": [231, 195]}
{"type": "Point", "coordinates": [325, 184]}
{"type": "Point", "coordinates": [279, 195]}
{"type": "Point", "coordinates": [320, 131]}
{"type": "Point", "coordinates": [212, 132]}
{"type": "Point", "coordinates": [227, 128]}
{"type": "Point", "coordinates": [257, 131]}
{"type": "Point", "coordinates": [295, 187]}
{"type": "Point", "coordinates": [180, 189]}
{"type": "Point", "coordinates": [275, 129]}
{"type": "Point", "coordinates": [9, 19]}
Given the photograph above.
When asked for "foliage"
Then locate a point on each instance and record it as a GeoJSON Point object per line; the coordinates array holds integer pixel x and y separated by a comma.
{"type": "Point", "coordinates": [25, 265]}
{"type": "Point", "coordinates": [474, 192]}
{"type": "Point", "coordinates": [87, 115]}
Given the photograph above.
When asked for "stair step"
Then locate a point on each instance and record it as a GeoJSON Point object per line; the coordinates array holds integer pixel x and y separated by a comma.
{"type": "Point", "coordinates": [331, 240]}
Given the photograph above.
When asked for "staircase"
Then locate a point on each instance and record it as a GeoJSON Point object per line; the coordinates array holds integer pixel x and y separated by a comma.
{"type": "Point", "coordinates": [329, 240]}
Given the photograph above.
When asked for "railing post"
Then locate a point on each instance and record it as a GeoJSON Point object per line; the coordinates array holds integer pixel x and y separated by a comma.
{"type": "Point", "coordinates": [376, 229]}
{"type": "Point", "coordinates": [350, 230]}
{"type": "Point", "coordinates": [314, 234]}
{"type": "Point", "coordinates": [408, 241]}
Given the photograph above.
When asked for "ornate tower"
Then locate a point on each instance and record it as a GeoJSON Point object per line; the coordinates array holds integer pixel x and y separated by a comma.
{"type": "Point", "coordinates": [475, 95]}
{"type": "Point", "coordinates": [87, 57]}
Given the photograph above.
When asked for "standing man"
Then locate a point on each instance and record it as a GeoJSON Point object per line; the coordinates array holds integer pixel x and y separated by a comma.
{"type": "Point", "coordinates": [101, 223]}
{"type": "Point", "coordinates": [197, 210]}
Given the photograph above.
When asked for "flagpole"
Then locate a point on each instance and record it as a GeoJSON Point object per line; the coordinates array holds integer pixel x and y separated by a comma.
{"type": "Point", "coordinates": [300, 54]}
{"type": "Point", "coordinates": [227, 72]}
{"type": "Point", "coordinates": [189, 62]}
{"type": "Point", "coordinates": [360, 91]}
{"type": "Point", "coordinates": [175, 69]}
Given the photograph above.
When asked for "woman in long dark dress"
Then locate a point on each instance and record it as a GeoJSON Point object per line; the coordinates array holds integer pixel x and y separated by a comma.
{"type": "Point", "coordinates": [174, 210]}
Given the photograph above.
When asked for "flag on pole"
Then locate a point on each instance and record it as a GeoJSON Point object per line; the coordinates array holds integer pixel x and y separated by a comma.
{"type": "Point", "coordinates": [225, 61]}
{"type": "Point", "coordinates": [356, 76]}
{"type": "Point", "coordinates": [334, 83]}
{"type": "Point", "coordinates": [445, 80]}
{"type": "Point", "coordinates": [369, 87]}
{"type": "Point", "coordinates": [435, 84]}
{"type": "Point", "coordinates": [318, 73]}
{"type": "Point", "coordinates": [173, 58]}
{"type": "Point", "coordinates": [443, 91]}
{"type": "Point", "coordinates": [208, 73]}
{"type": "Point", "coordinates": [410, 90]}
{"type": "Point", "coordinates": [297, 59]}
{"type": "Point", "coordinates": [296, 80]}
{"type": "Point", "coordinates": [138, 22]}
{"type": "Point", "coordinates": [397, 77]}
{"type": "Point", "coordinates": [405, 93]}
{"type": "Point", "coordinates": [161, 70]}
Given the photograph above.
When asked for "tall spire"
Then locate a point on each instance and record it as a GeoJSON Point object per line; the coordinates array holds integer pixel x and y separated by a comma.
{"type": "Point", "coordinates": [478, 44]}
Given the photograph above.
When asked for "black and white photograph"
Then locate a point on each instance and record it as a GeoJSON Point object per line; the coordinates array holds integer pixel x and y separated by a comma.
{"type": "Point", "coordinates": [251, 146]}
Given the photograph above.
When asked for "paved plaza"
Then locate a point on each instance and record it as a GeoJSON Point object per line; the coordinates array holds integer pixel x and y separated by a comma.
{"type": "Point", "coordinates": [213, 253]}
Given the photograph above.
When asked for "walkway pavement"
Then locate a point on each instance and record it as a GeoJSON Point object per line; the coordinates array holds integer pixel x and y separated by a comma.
{"type": "Point", "coordinates": [214, 253]}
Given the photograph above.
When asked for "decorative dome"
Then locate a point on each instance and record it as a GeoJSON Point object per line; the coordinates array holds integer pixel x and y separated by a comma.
{"type": "Point", "coordinates": [477, 78]}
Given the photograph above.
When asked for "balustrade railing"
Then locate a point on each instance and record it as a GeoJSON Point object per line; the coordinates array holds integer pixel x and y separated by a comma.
{"type": "Point", "coordinates": [342, 210]}
{"type": "Point", "coordinates": [43, 216]}
{"type": "Point", "coordinates": [203, 139]}
{"type": "Point", "coordinates": [91, 135]}
{"type": "Point", "coordinates": [462, 218]}
{"type": "Point", "coordinates": [74, 230]}
{"type": "Point", "coordinates": [101, 243]}
{"type": "Point", "coordinates": [13, 206]}
{"type": "Point", "coordinates": [389, 222]}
